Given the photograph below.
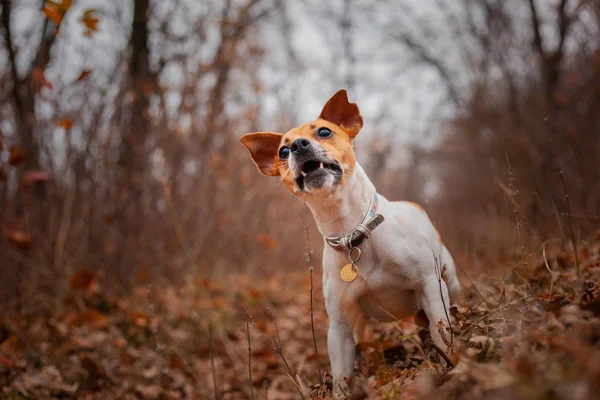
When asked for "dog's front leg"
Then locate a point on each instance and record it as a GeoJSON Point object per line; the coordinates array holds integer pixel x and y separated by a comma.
{"type": "Point", "coordinates": [435, 303]}
{"type": "Point", "coordinates": [341, 346]}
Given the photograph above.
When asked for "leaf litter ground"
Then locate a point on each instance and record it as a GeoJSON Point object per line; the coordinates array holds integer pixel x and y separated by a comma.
{"type": "Point", "coordinates": [518, 333]}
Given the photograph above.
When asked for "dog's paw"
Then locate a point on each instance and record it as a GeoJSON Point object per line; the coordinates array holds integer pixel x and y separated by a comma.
{"type": "Point", "coordinates": [341, 390]}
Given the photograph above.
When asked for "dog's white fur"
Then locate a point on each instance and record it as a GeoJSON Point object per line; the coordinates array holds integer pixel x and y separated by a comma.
{"type": "Point", "coordinates": [397, 269]}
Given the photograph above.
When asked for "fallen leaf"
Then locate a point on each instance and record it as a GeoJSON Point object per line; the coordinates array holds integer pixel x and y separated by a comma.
{"type": "Point", "coordinates": [176, 361]}
{"type": "Point", "coordinates": [83, 280]}
{"type": "Point", "coordinates": [14, 344]}
{"type": "Point", "coordinates": [7, 362]}
{"type": "Point", "coordinates": [90, 318]}
{"type": "Point", "coordinates": [139, 319]}
{"type": "Point", "coordinates": [267, 241]}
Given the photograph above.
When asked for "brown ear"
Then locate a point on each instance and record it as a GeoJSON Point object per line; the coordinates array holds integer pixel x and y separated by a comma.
{"type": "Point", "coordinates": [263, 148]}
{"type": "Point", "coordinates": [339, 111]}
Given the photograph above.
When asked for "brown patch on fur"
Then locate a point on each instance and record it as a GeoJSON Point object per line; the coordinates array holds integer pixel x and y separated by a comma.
{"type": "Point", "coordinates": [341, 112]}
{"type": "Point", "coordinates": [438, 235]}
{"type": "Point", "coordinates": [416, 205]}
{"type": "Point", "coordinates": [264, 149]}
{"type": "Point", "coordinates": [444, 277]}
{"type": "Point", "coordinates": [339, 146]}
{"type": "Point", "coordinates": [399, 220]}
{"type": "Point", "coordinates": [340, 116]}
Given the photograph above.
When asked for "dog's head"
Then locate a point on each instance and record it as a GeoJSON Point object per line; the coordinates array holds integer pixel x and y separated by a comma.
{"type": "Point", "coordinates": [312, 157]}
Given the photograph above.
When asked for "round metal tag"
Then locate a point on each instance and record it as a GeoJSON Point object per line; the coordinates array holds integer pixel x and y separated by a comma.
{"type": "Point", "coordinates": [349, 272]}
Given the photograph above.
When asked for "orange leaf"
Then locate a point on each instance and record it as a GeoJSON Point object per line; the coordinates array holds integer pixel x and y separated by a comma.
{"type": "Point", "coordinates": [176, 361]}
{"type": "Point", "coordinates": [84, 74]}
{"type": "Point", "coordinates": [18, 238]}
{"type": "Point", "coordinates": [90, 21]}
{"type": "Point", "coordinates": [267, 241]}
{"type": "Point", "coordinates": [143, 274]}
{"type": "Point", "coordinates": [139, 319]}
{"type": "Point", "coordinates": [52, 14]}
{"type": "Point", "coordinates": [83, 280]}
{"type": "Point", "coordinates": [219, 302]}
{"type": "Point", "coordinates": [16, 155]}
{"type": "Point", "coordinates": [91, 318]}
{"type": "Point", "coordinates": [7, 362]}
{"type": "Point", "coordinates": [66, 123]}
{"type": "Point", "coordinates": [14, 344]}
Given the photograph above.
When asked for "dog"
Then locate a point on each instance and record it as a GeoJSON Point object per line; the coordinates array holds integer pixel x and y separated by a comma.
{"type": "Point", "coordinates": [382, 259]}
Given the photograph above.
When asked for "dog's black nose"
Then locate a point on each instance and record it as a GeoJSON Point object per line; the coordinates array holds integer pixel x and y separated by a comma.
{"type": "Point", "coordinates": [300, 146]}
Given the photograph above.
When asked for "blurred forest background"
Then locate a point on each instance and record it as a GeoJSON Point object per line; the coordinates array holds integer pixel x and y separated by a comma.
{"type": "Point", "coordinates": [120, 121]}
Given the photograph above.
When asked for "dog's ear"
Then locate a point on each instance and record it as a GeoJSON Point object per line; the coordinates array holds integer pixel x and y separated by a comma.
{"type": "Point", "coordinates": [263, 148]}
{"type": "Point", "coordinates": [343, 113]}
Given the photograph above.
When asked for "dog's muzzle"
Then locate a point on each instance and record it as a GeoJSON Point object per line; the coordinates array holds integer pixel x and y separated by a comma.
{"type": "Point", "coordinates": [311, 166]}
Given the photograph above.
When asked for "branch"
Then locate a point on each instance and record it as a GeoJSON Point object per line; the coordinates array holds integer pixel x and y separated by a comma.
{"type": "Point", "coordinates": [422, 53]}
{"type": "Point", "coordinates": [537, 36]}
{"type": "Point", "coordinates": [6, 11]}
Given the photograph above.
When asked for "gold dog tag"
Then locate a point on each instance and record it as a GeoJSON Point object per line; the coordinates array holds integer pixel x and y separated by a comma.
{"type": "Point", "coordinates": [349, 272]}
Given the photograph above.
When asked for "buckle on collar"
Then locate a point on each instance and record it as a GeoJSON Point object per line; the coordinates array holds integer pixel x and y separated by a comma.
{"type": "Point", "coordinates": [354, 239]}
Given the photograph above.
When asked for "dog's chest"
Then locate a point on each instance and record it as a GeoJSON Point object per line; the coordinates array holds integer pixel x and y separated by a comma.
{"type": "Point", "coordinates": [375, 293]}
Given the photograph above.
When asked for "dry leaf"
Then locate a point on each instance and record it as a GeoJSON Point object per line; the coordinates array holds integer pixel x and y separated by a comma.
{"type": "Point", "coordinates": [16, 155]}
{"type": "Point", "coordinates": [90, 21]}
{"type": "Point", "coordinates": [83, 280]}
{"type": "Point", "coordinates": [19, 238]}
{"type": "Point", "coordinates": [139, 319]}
{"type": "Point", "coordinates": [90, 318]}
{"type": "Point", "coordinates": [66, 123]}
{"type": "Point", "coordinates": [176, 361]}
{"type": "Point", "coordinates": [52, 14]}
{"type": "Point", "coordinates": [267, 241]}
{"type": "Point", "coordinates": [84, 74]}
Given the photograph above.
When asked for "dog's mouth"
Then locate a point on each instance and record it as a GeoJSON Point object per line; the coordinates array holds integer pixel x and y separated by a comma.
{"type": "Point", "coordinates": [313, 169]}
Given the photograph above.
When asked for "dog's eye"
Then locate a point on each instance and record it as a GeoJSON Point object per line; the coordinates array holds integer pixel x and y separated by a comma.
{"type": "Point", "coordinates": [324, 133]}
{"type": "Point", "coordinates": [284, 153]}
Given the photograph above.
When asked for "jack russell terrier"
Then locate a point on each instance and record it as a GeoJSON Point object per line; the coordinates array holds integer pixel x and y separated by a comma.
{"type": "Point", "coordinates": [382, 259]}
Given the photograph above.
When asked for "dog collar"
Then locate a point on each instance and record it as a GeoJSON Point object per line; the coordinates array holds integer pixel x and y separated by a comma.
{"type": "Point", "coordinates": [354, 239]}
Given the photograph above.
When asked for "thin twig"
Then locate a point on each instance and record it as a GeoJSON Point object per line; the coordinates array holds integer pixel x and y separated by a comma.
{"type": "Point", "coordinates": [212, 363]}
{"type": "Point", "coordinates": [438, 275]}
{"type": "Point", "coordinates": [249, 355]}
{"type": "Point", "coordinates": [442, 354]}
{"type": "Point", "coordinates": [571, 231]}
{"type": "Point", "coordinates": [309, 259]}
{"type": "Point", "coordinates": [518, 222]}
{"type": "Point", "coordinates": [548, 268]}
{"type": "Point", "coordinates": [279, 350]}
{"type": "Point", "coordinates": [491, 312]}
{"type": "Point", "coordinates": [154, 330]}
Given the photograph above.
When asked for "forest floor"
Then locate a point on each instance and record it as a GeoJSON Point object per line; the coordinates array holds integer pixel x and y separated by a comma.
{"type": "Point", "coordinates": [517, 335]}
